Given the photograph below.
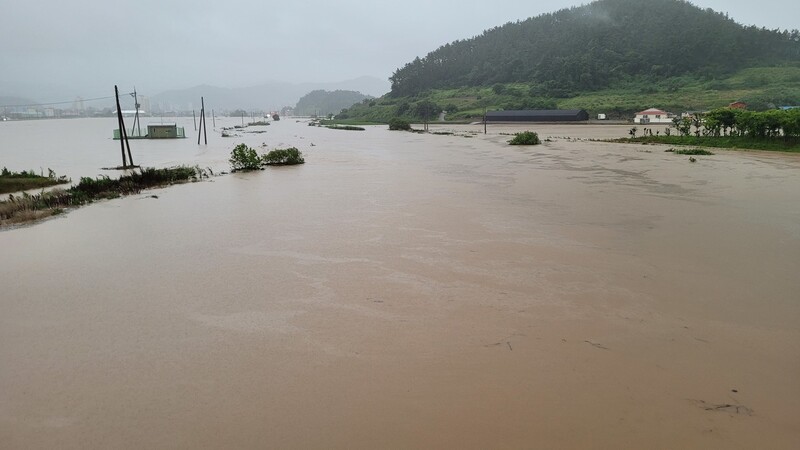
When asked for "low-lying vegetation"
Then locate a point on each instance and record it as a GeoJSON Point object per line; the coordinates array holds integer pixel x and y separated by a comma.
{"type": "Point", "coordinates": [27, 207]}
{"type": "Point", "coordinates": [399, 124]}
{"type": "Point", "coordinates": [284, 157]}
{"type": "Point", "coordinates": [23, 181]}
{"type": "Point", "coordinates": [244, 158]}
{"type": "Point", "coordinates": [777, 130]}
{"type": "Point", "coordinates": [525, 138]}
{"type": "Point", "coordinates": [689, 151]}
{"type": "Point", "coordinates": [345, 127]}
{"type": "Point", "coordinates": [776, 144]}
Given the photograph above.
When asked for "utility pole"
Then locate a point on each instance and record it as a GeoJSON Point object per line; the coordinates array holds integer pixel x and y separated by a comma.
{"type": "Point", "coordinates": [136, 122]}
{"type": "Point", "coordinates": [195, 120]}
{"type": "Point", "coordinates": [121, 125]}
{"type": "Point", "coordinates": [202, 121]}
{"type": "Point", "coordinates": [203, 118]}
{"type": "Point", "coordinates": [123, 137]}
{"type": "Point", "coordinates": [213, 120]}
{"type": "Point", "coordinates": [484, 120]}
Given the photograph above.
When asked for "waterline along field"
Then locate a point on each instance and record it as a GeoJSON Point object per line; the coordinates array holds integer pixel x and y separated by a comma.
{"type": "Point", "coordinates": [409, 290]}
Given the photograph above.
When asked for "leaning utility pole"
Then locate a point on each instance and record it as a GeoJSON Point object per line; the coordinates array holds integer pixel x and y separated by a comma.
{"type": "Point", "coordinates": [123, 136]}
{"type": "Point", "coordinates": [202, 122]}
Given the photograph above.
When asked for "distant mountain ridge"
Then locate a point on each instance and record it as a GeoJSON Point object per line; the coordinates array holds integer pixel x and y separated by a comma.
{"type": "Point", "coordinates": [267, 96]}
{"type": "Point", "coordinates": [12, 101]}
{"type": "Point", "coordinates": [593, 46]}
{"type": "Point", "coordinates": [323, 103]}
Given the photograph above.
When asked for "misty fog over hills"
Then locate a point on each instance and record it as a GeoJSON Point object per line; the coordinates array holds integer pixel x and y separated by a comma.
{"type": "Point", "coordinates": [268, 96]}
{"type": "Point", "coordinates": [272, 96]}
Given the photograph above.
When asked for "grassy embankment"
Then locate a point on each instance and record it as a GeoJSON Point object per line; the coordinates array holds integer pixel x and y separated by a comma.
{"type": "Point", "coordinates": [729, 142]}
{"type": "Point", "coordinates": [760, 88]}
{"type": "Point", "coordinates": [23, 181]}
{"type": "Point", "coordinates": [345, 127]}
{"type": "Point", "coordinates": [26, 208]}
{"type": "Point", "coordinates": [348, 122]}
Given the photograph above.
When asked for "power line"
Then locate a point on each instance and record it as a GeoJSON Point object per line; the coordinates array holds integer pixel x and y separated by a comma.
{"type": "Point", "coordinates": [61, 103]}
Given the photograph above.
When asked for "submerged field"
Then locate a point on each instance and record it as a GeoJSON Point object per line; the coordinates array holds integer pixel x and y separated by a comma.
{"type": "Point", "coordinates": [416, 291]}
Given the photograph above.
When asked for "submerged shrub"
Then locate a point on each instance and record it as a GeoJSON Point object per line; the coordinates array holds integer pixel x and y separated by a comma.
{"type": "Point", "coordinates": [283, 157]}
{"type": "Point", "coordinates": [345, 127]}
{"type": "Point", "coordinates": [399, 124]}
{"type": "Point", "coordinates": [244, 158]}
{"type": "Point", "coordinates": [692, 151]}
{"type": "Point", "coordinates": [525, 138]}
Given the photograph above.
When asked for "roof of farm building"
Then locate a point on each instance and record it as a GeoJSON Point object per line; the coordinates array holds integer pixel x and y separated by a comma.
{"type": "Point", "coordinates": [550, 115]}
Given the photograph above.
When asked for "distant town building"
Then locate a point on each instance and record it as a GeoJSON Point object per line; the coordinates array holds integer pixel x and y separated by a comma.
{"type": "Point", "coordinates": [652, 115]}
{"type": "Point", "coordinates": [144, 104]}
{"type": "Point", "coordinates": [738, 105]}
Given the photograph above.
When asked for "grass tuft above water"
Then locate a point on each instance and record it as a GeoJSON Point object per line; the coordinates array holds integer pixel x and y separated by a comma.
{"type": "Point", "coordinates": [27, 207]}
{"type": "Point", "coordinates": [690, 151]}
{"type": "Point", "coordinates": [776, 144]}
{"type": "Point", "coordinates": [26, 180]}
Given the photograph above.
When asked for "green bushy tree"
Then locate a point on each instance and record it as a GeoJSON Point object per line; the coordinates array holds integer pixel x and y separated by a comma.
{"type": "Point", "coordinates": [284, 157]}
{"type": "Point", "coordinates": [398, 124]}
{"type": "Point", "coordinates": [244, 158]}
{"type": "Point", "coordinates": [525, 138]}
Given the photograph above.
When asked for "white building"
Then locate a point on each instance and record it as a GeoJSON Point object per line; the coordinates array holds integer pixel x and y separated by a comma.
{"type": "Point", "coordinates": [652, 115]}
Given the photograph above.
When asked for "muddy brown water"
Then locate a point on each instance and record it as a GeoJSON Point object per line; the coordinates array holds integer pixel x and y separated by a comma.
{"type": "Point", "coordinates": [415, 291]}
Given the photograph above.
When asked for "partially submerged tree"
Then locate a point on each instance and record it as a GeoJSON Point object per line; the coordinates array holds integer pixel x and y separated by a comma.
{"type": "Point", "coordinates": [525, 138]}
{"type": "Point", "coordinates": [244, 158]}
{"type": "Point", "coordinates": [398, 124]}
{"type": "Point", "coordinates": [284, 157]}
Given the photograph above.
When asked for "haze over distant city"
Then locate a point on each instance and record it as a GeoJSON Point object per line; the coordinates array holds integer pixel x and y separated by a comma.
{"type": "Point", "coordinates": [53, 50]}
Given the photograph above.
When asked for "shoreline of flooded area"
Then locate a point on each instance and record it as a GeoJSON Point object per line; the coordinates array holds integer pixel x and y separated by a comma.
{"type": "Point", "coordinates": [408, 290]}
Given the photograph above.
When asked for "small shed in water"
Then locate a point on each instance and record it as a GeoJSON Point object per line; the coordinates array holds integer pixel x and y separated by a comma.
{"type": "Point", "coordinates": [538, 115]}
{"type": "Point", "coordinates": [165, 131]}
{"type": "Point", "coordinates": [155, 131]}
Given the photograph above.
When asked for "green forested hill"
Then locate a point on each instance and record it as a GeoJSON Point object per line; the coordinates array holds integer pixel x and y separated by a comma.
{"type": "Point", "coordinates": [610, 56]}
{"type": "Point", "coordinates": [322, 103]}
{"type": "Point", "coordinates": [760, 87]}
{"type": "Point", "coordinates": [593, 46]}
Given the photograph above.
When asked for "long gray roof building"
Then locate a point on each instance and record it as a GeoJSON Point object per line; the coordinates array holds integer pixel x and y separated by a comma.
{"type": "Point", "coordinates": [538, 115]}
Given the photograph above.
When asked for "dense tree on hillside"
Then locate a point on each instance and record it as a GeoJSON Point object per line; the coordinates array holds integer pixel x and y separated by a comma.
{"type": "Point", "coordinates": [591, 47]}
{"type": "Point", "coordinates": [323, 102]}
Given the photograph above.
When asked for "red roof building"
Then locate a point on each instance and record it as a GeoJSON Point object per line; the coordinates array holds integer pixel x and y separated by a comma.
{"type": "Point", "coordinates": [653, 115]}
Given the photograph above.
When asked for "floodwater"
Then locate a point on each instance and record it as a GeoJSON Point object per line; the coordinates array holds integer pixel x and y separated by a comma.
{"type": "Point", "coordinates": [412, 291]}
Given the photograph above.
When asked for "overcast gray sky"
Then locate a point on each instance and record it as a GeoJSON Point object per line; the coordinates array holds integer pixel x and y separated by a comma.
{"type": "Point", "coordinates": [83, 47]}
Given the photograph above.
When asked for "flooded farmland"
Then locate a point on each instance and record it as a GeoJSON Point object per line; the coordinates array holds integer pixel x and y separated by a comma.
{"type": "Point", "coordinates": [404, 290]}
